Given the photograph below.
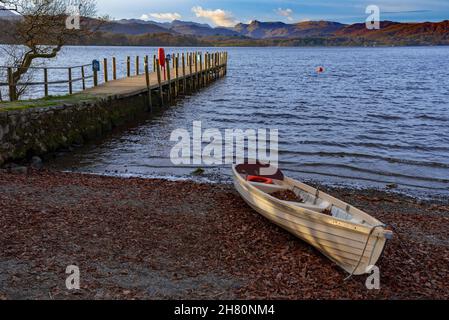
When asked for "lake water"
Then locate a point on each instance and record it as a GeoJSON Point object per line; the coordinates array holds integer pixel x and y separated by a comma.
{"type": "Point", "coordinates": [376, 116]}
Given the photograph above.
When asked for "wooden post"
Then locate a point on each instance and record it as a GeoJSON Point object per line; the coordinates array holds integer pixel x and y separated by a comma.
{"type": "Point", "coordinates": [191, 72]}
{"type": "Point", "coordinates": [196, 70]}
{"type": "Point", "coordinates": [184, 80]}
{"type": "Point", "coordinates": [83, 77]}
{"type": "Point", "coordinates": [169, 81]}
{"type": "Point", "coordinates": [226, 61]}
{"type": "Point", "coordinates": [159, 81]}
{"type": "Point", "coordinates": [95, 78]}
{"type": "Point", "coordinates": [154, 63]}
{"type": "Point", "coordinates": [137, 66]}
{"type": "Point", "coordinates": [12, 91]}
{"type": "Point", "coordinates": [128, 66]}
{"type": "Point", "coordinates": [45, 82]}
{"type": "Point", "coordinates": [201, 71]}
{"type": "Point", "coordinates": [208, 68]}
{"type": "Point", "coordinates": [218, 65]}
{"type": "Point", "coordinates": [177, 75]}
{"type": "Point", "coordinates": [147, 79]}
{"type": "Point", "coordinates": [114, 68]}
{"type": "Point", "coordinates": [105, 67]}
{"type": "Point", "coordinates": [70, 81]}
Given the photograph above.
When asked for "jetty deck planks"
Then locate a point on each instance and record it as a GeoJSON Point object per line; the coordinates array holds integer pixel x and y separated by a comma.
{"type": "Point", "coordinates": [137, 84]}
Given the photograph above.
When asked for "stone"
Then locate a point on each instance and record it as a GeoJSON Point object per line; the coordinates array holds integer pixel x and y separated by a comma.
{"type": "Point", "coordinates": [392, 186]}
{"type": "Point", "coordinates": [18, 169]}
{"type": "Point", "coordinates": [36, 163]}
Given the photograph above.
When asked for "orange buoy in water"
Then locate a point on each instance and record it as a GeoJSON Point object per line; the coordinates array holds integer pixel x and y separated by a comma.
{"type": "Point", "coordinates": [320, 69]}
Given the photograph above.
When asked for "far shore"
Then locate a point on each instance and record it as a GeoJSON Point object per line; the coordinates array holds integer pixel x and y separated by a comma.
{"type": "Point", "coordinates": [154, 239]}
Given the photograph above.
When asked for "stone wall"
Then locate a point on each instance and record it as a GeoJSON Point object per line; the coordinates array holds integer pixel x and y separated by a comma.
{"type": "Point", "coordinates": [36, 131]}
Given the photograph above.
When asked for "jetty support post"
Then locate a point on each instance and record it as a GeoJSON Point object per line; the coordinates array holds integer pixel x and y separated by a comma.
{"type": "Point", "coordinates": [128, 67]}
{"type": "Point", "coordinates": [202, 71]}
{"type": "Point", "coordinates": [169, 81]}
{"type": "Point", "coordinates": [206, 67]}
{"type": "Point", "coordinates": [226, 63]}
{"type": "Point", "coordinates": [137, 66]}
{"type": "Point", "coordinates": [147, 79]}
{"type": "Point", "coordinates": [105, 67]}
{"type": "Point", "coordinates": [184, 80]}
{"type": "Point", "coordinates": [177, 75]}
{"type": "Point", "coordinates": [206, 62]}
{"type": "Point", "coordinates": [46, 82]}
{"type": "Point", "coordinates": [191, 73]}
{"type": "Point", "coordinates": [219, 66]}
{"type": "Point", "coordinates": [215, 66]}
{"type": "Point", "coordinates": [154, 63]}
{"type": "Point", "coordinates": [114, 68]}
{"type": "Point", "coordinates": [159, 81]}
{"type": "Point", "coordinates": [196, 71]}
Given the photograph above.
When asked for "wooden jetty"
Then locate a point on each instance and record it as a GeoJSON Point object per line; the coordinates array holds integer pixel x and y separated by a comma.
{"type": "Point", "coordinates": [183, 74]}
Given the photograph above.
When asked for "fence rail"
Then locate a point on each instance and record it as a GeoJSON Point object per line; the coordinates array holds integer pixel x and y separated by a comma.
{"type": "Point", "coordinates": [45, 83]}
{"type": "Point", "coordinates": [132, 67]}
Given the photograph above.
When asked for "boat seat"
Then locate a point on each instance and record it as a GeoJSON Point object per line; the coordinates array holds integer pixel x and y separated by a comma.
{"type": "Point", "coordinates": [268, 188]}
{"type": "Point", "coordinates": [318, 207]}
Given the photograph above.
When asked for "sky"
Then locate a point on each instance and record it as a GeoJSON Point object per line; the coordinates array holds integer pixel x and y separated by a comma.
{"type": "Point", "coordinates": [229, 12]}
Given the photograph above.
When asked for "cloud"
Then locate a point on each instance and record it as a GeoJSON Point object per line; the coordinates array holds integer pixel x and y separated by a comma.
{"type": "Point", "coordinates": [162, 16]}
{"type": "Point", "coordinates": [287, 13]}
{"type": "Point", "coordinates": [218, 16]}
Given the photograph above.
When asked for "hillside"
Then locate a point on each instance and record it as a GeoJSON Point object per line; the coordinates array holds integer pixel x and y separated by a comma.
{"type": "Point", "coordinates": [256, 33]}
{"type": "Point", "coordinates": [271, 30]}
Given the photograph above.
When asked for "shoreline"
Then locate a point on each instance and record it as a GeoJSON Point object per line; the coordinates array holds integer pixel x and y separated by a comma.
{"type": "Point", "coordinates": [137, 238]}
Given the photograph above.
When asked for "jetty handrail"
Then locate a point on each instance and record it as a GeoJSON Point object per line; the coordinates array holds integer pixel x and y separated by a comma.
{"type": "Point", "coordinates": [50, 68]}
{"type": "Point", "coordinates": [46, 83]}
{"type": "Point", "coordinates": [202, 66]}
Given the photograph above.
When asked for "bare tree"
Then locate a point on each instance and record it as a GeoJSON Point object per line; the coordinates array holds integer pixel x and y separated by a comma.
{"type": "Point", "coordinates": [44, 27]}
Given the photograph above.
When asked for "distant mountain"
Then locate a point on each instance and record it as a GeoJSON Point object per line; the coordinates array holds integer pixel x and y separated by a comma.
{"type": "Point", "coordinates": [132, 27]}
{"type": "Point", "coordinates": [316, 28]}
{"type": "Point", "coordinates": [137, 27]}
{"type": "Point", "coordinates": [396, 30]}
{"type": "Point", "coordinates": [256, 33]}
{"type": "Point", "coordinates": [272, 30]}
{"type": "Point", "coordinates": [177, 23]}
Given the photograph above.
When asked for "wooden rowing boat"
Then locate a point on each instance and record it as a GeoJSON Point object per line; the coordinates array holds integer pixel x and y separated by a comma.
{"type": "Point", "coordinates": [348, 236]}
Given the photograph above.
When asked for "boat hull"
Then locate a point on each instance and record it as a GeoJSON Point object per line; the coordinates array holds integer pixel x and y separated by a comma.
{"type": "Point", "coordinates": [354, 249]}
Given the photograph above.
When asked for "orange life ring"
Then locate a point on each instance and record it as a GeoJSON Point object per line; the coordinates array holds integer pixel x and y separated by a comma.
{"type": "Point", "coordinates": [260, 179]}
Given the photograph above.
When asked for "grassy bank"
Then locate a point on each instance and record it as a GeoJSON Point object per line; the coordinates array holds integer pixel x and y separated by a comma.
{"type": "Point", "coordinates": [46, 102]}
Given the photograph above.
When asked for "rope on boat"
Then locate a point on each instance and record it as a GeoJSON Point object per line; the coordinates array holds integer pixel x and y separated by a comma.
{"type": "Point", "coordinates": [364, 250]}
